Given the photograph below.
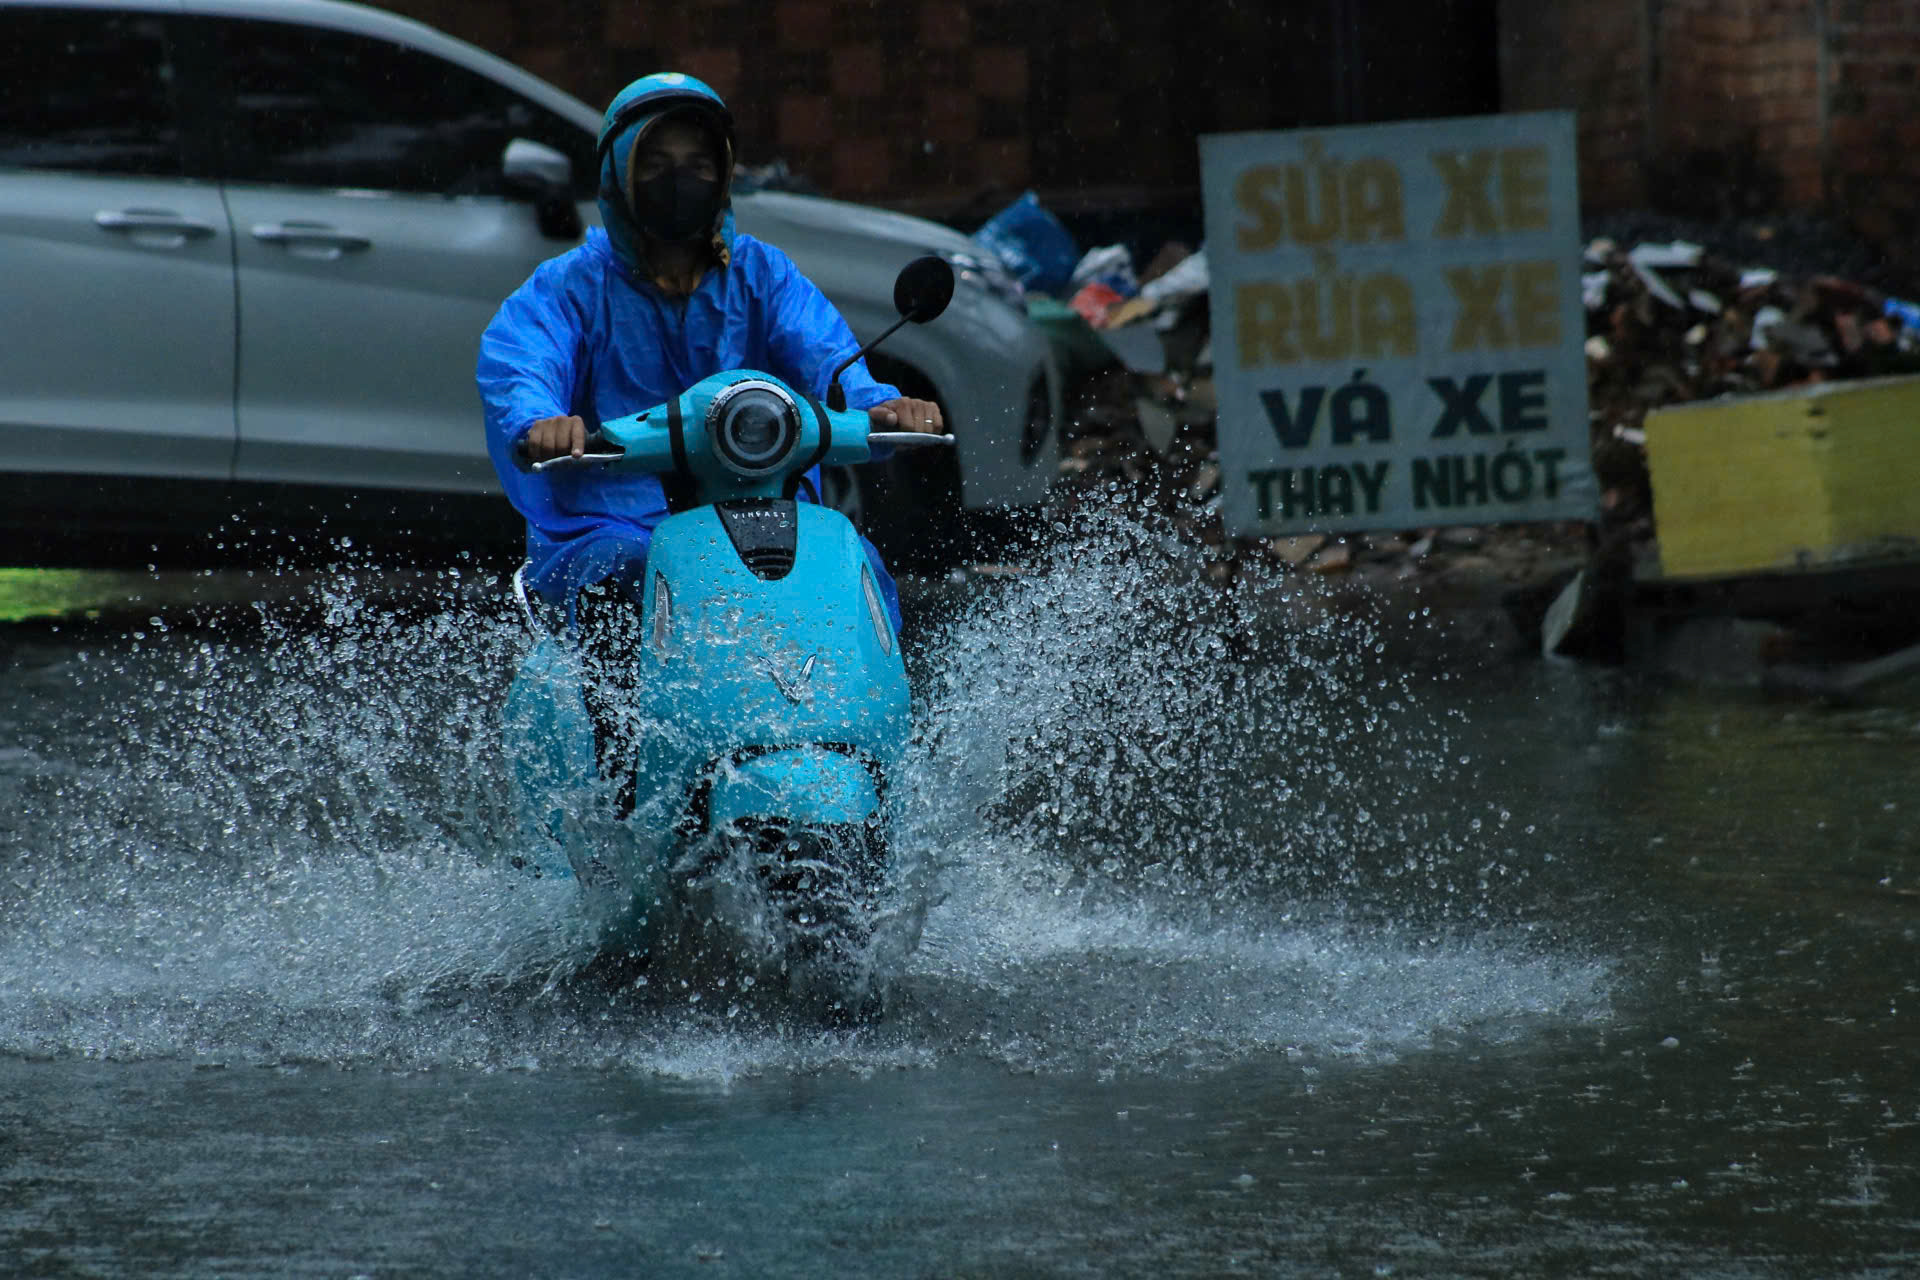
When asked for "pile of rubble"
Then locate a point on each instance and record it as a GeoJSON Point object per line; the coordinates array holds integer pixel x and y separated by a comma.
{"type": "Point", "coordinates": [1669, 323]}
{"type": "Point", "coordinates": [1140, 430]}
{"type": "Point", "coordinates": [1666, 323]}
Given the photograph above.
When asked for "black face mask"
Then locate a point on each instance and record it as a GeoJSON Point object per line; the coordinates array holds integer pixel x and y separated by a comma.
{"type": "Point", "coordinates": [676, 205]}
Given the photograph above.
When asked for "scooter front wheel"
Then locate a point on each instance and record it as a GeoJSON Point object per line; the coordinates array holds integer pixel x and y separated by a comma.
{"type": "Point", "coordinates": [798, 904]}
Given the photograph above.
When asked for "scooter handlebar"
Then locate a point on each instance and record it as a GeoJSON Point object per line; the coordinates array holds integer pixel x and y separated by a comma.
{"type": "Point", "coordinates": [897, 438]}
{"type": "Point", "coordinates": [599, 450]}
{"type": "Point", "coordinates": [602, 448]}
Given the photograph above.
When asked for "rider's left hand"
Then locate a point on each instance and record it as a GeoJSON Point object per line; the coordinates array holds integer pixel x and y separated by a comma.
{"type": "Point", "coordinates": [906, 414]}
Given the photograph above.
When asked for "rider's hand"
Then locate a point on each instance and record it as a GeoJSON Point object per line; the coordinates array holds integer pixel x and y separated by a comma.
{"type": "Point", "coordinates": [554, 438]}
{"type": "Point", "coordinates": [906, 414]}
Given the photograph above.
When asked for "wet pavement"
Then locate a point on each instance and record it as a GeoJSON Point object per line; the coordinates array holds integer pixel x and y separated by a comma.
{"type": "Point", "coordinates": [1275, 937]}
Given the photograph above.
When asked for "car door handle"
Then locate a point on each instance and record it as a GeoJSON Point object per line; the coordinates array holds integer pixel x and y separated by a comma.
{"type": "Point", "coordinates": [164, 222]}
{"type": "Point", "coordinates": [314, 239]}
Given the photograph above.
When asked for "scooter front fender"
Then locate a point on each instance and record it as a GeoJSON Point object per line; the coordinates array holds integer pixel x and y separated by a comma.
{"type": "Point", "coordinates": [803, 785]}
{"type": "Point", "coordinates": [738, 667]}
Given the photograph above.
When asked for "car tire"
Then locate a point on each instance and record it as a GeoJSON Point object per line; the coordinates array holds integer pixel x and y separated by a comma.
{"type": "Point", "coordinates": [910, 506]}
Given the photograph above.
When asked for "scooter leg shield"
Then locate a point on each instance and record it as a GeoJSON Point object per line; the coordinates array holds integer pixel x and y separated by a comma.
{"type": "Point", "coordinates": [548, 739]}
{"type": "Point", "coordinates": [804, 785]}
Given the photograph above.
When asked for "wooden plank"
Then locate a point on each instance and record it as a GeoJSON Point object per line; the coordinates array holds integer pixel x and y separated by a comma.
{"type": "Point", "coordinates": [1808, 478]}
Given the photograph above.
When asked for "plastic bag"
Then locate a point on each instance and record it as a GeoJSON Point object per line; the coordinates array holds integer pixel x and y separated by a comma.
{"type": "Point", "coordinates": [1111, 265]}
{"type": "Point", "coordinates": [1187, 279]}
{"type": "Point", "coordinates": [1037, 249]}
{"type": "Point", "coordinates": [1093, 300]}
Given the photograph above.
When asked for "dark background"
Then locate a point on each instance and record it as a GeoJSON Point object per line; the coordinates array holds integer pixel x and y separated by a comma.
{"type": "Point", "coordinates": [1704, 108]}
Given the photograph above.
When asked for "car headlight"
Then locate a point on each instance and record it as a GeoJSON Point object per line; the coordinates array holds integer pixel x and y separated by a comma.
{"type": "Point", "coordinates": [754, 426]}
{"type": "Point", "coordinates": [984, 272]}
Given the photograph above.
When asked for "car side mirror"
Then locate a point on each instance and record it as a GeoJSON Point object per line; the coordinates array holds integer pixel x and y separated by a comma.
{"type": "Point", "coordinates": [547, 176]}
{"type": "Point", "coordinates": [923, 289]}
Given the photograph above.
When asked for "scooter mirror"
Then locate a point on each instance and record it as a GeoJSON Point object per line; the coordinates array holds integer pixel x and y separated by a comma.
{"type": "Point", "coordinates": [924, 288]}
{"type": "Point", "coordinates": [921, 292]}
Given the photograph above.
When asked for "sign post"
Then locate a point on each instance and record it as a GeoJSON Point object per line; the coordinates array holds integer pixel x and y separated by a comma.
{"type": "Point", "coordinates": [1398, 334]}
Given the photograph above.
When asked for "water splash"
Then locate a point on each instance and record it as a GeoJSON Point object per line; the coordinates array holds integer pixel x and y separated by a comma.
{"type": "Point", "coordinates": [1170, 827]}
{"type": "Point", "coordinates": [1181, 825]}
{"type": "Point", "coordinates": [216, 836]}
{"type": "Point", "coordinates": [1112, 714]}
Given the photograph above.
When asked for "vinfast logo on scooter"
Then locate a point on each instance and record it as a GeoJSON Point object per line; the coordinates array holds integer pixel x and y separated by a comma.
{"type": "Point", "coordinates": [765, 533]}
{"type": "Point", "coordinates": [790, 667]}
{"type": "Point", "coordinates": [796, 689]}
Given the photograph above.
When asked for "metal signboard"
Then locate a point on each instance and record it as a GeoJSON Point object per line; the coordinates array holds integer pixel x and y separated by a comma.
{"type": "Point", "coordinates": [1398, 334]}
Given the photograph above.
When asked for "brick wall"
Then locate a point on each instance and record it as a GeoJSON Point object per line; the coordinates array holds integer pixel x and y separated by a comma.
{"type": "Point", "coordinates": [1713, 107]}
{"type": "Point", "coordinates": [869, 98]}
{"type": "Point", "coordinates": [1593, 55]}
{"type": "Point", "coordinates": [1736, 105]}
{"type": "Point", "coordinates": [1730, 107]}
{"type": "Point", "coordinates": [953, 105]}
{"type": "Point", "coordinates": [1873, 123]}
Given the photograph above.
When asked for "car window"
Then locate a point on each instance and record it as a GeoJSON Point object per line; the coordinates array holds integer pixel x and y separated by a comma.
{"type": "Point", "coordinates": [87, 90]}
{"type": "Point", "coordinates": [318, 108]}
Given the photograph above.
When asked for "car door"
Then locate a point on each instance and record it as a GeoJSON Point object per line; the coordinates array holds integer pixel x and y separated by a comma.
{"type": "Point", "coordinates": [117, 355]}
{"type": "Point", "coordinates": [374, 241]}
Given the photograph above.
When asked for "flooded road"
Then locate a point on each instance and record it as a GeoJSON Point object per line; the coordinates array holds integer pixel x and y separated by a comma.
{"type": "Point", "coordinates": [1270, 939]}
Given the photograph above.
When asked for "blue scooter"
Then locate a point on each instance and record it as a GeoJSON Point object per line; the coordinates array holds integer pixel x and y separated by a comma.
{"type": "Point", "coordinates": [769, 708]}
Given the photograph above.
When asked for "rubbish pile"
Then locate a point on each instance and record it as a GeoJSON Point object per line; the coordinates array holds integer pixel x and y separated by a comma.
{"type": "Point", "coordinates": [1666, 323]}
{"type": "Point", "coordinates": [1134, 346]}
{"type": "Point", "coordinates": [1670, 323]}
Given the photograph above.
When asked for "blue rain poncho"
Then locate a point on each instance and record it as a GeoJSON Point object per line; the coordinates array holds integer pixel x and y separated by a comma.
{"type": "Point", "coordinates": [591, 334]}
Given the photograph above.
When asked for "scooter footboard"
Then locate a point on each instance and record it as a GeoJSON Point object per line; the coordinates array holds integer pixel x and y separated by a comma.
{"type": "Point", "coordinates": [807, 785]}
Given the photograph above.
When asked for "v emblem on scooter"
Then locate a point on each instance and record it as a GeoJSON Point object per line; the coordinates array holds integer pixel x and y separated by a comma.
{"type": "Point", "coordinates": [794, 689]}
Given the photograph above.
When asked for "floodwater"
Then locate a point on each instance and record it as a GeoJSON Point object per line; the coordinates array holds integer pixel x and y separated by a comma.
{"type": "Point", "coordinates": [1271, 939]}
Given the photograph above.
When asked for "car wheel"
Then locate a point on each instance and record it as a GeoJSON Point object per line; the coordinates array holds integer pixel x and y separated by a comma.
{"type": "Point", "coordinates": [840, 489]}
{"type": "Point", "coordinates": [909, 506]}
{"type": "Point", "coordinates": [1033, 432]}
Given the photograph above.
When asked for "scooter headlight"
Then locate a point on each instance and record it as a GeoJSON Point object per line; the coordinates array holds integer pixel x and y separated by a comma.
{"type": "Point", "coordinates": [754, 426]}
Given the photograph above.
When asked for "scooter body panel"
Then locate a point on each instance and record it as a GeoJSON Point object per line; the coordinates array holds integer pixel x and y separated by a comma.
{"type": "Point", "coordinates": [783, 698]}
{"type": "Point", "coordinates": [548, 738]}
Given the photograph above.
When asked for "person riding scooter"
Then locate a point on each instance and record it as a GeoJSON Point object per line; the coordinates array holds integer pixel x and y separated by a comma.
{"type": "Point", "coordinates": [664, 295]}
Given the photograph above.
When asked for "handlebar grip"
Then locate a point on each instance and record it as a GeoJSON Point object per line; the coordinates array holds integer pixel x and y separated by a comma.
{"type": "Point", "coordinates": [907, 437]}
{"type": "Point", "coordinates": [598, 449]}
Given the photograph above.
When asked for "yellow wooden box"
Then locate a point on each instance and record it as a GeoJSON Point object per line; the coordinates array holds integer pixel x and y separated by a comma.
{"type": "Point", "coordinates": [1801, 479]}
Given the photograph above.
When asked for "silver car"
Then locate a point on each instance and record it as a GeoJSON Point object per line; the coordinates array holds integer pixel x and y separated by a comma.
{"type": "Point", "coordinates": [249, 248]}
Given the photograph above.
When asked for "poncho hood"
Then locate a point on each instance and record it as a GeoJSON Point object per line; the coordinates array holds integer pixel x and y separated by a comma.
{"type": "Point", "coordinates": [633, 111]}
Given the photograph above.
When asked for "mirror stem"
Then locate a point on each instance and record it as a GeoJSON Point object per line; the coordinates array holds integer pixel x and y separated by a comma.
{"type": "Point", "coordinates": [836, 397]}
